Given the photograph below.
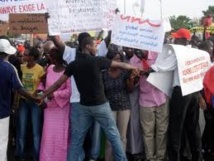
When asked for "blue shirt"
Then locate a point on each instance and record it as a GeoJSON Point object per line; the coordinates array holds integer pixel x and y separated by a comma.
{"type": "Point", "coordinates": [9, 80]}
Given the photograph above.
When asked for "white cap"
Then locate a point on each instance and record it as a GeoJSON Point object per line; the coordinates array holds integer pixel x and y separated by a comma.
{"type": "Point", "coordinates": [6, 47]}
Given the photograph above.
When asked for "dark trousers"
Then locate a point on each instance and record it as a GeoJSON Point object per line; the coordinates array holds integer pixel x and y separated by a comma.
{"type": "Point", "coordinates": [184, 115]}
{"type": "Point", "coordinates": [208, 139]}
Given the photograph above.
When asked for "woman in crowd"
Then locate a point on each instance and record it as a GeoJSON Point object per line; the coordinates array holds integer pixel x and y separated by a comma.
{"type": "Point", "coordinates": [54, 143]}
{"type": "Point", "coordinates": [32, 74]}
{"type": "Point", "coordinates": [115, 82]}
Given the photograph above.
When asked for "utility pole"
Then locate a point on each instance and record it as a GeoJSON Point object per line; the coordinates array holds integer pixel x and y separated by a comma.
{"type": "Point", "coordinates": [161, 9]}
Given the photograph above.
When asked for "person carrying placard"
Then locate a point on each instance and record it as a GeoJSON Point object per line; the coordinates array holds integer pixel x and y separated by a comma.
{"type": "Point", "coordinates": [184, 110]}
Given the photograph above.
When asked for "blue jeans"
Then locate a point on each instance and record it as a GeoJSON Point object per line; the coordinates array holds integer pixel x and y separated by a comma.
{"type": "Point", "coordinates": [29, 109]}
{"type": "Point", "coordinates": [81, 120]}
{"type": "Point", "coordinates": [95, 137]}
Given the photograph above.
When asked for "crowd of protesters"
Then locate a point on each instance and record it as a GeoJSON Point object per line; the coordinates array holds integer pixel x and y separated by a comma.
{"type": "Point", "coordinates": [93, 101]}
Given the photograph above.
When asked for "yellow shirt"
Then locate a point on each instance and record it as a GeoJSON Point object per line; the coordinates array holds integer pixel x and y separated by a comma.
{"type": "Point", "coordinates": [31, 77]}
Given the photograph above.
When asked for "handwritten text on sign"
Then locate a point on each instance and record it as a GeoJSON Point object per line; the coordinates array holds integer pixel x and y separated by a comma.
{"type": "Point", "coordinates": [27, 23]}
{"type": "Point", "coordinates": [137, 33]}
{"type": "Point", "coordinates": [67, 16]}
{"type": "Point", "coordinates": [192, 67]}
{"type": "Point", "coordinates": [3, 28]}
{"type": "Point", "coordinates": [21, 6]}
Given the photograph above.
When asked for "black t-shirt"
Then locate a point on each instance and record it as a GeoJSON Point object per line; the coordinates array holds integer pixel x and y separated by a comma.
{"type": "Point", "coordinates": [86, 70]}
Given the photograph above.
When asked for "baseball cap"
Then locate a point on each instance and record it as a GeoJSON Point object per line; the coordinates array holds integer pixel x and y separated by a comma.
{"type": "Point", "coordinates": [6, 47]}
{"type": "Point", "coordinates": [182, 33]}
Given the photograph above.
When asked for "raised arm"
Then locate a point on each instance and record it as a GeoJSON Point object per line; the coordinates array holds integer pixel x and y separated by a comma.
{"type": "Point", "coordinates": [108, 39]}
{"type": "Point", "coordinates": [58, 43]}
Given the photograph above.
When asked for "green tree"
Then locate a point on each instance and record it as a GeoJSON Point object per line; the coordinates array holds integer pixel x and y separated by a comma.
{"type": "Point", "coordinates": [181, 22]}
{"type": "Point", "coordinates": [209, 11]}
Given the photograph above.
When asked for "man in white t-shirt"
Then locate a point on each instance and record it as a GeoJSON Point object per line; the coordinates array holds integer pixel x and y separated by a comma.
{"type": "Point", "coordinates": [184, 110]}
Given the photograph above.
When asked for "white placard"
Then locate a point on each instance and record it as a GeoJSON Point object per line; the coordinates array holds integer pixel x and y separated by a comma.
{"type": "Point", "coordinates": [162, 81]}
{"type": "Point", "coordinates": [167, 25]}
{"type": "Point", "coordinates": [137, 33]}
{"type": "Point", "coordinates": [68, 16]}
{"type": "Point", "coordinates": [192, 67]}
{"type": "Point", "coordinates": [21, 6]}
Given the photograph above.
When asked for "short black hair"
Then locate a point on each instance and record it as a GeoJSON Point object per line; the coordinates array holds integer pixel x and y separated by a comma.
{"type": "Point", "coordinates": [82, 36]}
{"type": "Point", "coordinates": [3, 55]}
{"type": "Point", "coordinates": [57, 55]}
{"type": "Point", "coordinates": [33, 51]}
{"type": "Point", "coordinates": [86, 41]}
{"type": "Point", "coordinates": [113, 50]}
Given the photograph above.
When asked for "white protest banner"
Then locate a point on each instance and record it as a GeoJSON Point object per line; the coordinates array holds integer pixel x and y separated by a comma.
{"type": "Point", "coordinates": [162, 81]}
{"type": "Point", "coordinates": [167, 25]}
{"type": "Point", "coordinates": [192, 67]}
{"type": "Point", "coordinates": [109, 14]}
{"type": "Point", "coordinates": [134, 32]}
{"type": "Point", "coordinates": [68, 16]}
{"type": "Point", "coordinates": [21, 6]}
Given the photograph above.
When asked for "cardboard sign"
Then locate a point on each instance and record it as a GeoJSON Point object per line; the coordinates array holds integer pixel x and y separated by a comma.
{"type": "Point", "coordinates": [27, 24]}
{"type": "Point", "coordinates": [3, 28]}
{"type": "Point", "coordinates": [68, 16]}
{"type": "Point", "coordinates": [136, 33]}
{"type": "Point", "coordinates": [20, 6]}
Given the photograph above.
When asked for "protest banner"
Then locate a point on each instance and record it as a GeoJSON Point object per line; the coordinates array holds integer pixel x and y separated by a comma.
{"type": "Point", "coordinates": [192, 67]}
{"type": "Point", "coordinates": [134, 32]}
{"type": "Point", "coordinates": [68, 16]}
{"type": "Point", "coordinates": [192, 64]}
{"type": "Point", "coordinates": [20, 6]}
{"type": "Point", "coordinates": [162, 81]}
{"type": "Point", "coordinates": [27, 24]}
{"type": "Point", "coordinates": [3, 28]}
{"type": "Point", "coordinates": [109, 14]}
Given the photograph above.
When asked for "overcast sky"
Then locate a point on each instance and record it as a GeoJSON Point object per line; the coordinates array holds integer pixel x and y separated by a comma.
{"type": "Point", "coordinates": [191, 8]}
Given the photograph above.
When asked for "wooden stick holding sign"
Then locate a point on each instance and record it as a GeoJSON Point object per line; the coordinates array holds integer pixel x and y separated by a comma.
{"type": "Point", "coordinates": [3, 28]}
{"type": "Point", "coordinates": [27, 24]}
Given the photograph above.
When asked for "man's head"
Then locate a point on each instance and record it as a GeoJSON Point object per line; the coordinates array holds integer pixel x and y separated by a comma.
{"type": "Point", "coordinates": [31, 55]}
{"type": "Point", "coordinates": [207, 46]}
{"type": "Point", "coordinates": [81, 37]}
{"type": "Point", "coordinates": [48, 45]}
{"type": "Point", "coordinates": [39, 46]}
{"type": "Point", "coordinates": [141, 54]}
{"type": "Point", "coordinates": [129, 52]}
{"type": "Point", "coordinates": [114, 54]}
{"type": "Point", "coordinates": [89, 45]}
{"type": "Point", "coordinates": [195, 41]}
{"type": "Point", "coordinates": [182, 36]}
{"type": "Point", "coordinates": [6, 48]}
